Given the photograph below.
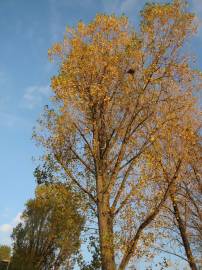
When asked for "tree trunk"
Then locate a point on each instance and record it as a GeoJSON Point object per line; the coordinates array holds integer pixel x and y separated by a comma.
{"type": "Point", "coordinates": [105, 222]}
{"type": "Point", "coordinates": [182, 229]}
{"type": "Point", "coordinates": [105, 219]}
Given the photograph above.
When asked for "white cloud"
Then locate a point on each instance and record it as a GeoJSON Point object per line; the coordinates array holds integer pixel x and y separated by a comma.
{"type": "Point", "coordinates": [17, 219]}
{"type": "Point", "coordinates": [6, 229]}
{"type": "Point", "coordinates": [34, 95]}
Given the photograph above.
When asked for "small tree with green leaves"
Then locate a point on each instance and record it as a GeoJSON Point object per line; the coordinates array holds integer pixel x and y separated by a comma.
{"type": "Point", "coordinates": [5, 253]}
{"type": "Point", "coordinates": [49, 235]}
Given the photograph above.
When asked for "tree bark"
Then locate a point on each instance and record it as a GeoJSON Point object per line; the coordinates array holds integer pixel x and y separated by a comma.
{"type": "Point", "coordinates": [105, 222]}
{"type": "Point", "coordinates": [105, 218]}
{"type": "Point", "coordinates": [182, 229]}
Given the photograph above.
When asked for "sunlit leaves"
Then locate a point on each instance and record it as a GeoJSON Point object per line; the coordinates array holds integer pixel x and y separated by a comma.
{"type": "Point", "coordinates": [125, 118]}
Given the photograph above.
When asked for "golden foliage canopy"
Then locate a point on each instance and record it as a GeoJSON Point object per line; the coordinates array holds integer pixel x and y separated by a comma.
{"type": "Point", "coordinates": [124, 118]}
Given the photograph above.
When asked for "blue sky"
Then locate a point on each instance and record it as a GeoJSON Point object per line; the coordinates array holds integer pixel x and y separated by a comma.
{"type": "Point", "coordinates": [27, 30]}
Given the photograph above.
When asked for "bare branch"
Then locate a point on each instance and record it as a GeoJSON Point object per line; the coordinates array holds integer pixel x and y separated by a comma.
{"type": "Point", "coordinates": [70, 175]}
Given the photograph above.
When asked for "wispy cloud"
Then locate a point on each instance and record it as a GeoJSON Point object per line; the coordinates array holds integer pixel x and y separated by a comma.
{"type": "Point", "coordinates": [111, 5]}
{"type": "Point", "coordinates": [56, 25]}
{"type": "Point", "coordinates": [9, 115]}
{"type": "Point", "coordinates": [5, 213]}
{"type": "Point", "coordinates": [127, 7]}
{"type": "Point", "coordinates": [10, 120]}
{"type": "Point", "coordinates": [34, 96]}
{"type": "Point", "coordinates": [197, 8]}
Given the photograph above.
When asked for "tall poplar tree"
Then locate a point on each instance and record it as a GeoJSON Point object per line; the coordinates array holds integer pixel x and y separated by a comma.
{"type": "Point", "coordinates": [122, 104]}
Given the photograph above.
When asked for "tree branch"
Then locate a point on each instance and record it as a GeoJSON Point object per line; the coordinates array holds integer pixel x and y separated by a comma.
{"type": "Point", "coordinates": [132, 244]}
{"type": "Point", "coordinates": [172, 253]}
{"type": "Point", "coordinates": [82, 161]}
{"type": "Point", "coordinates": [68, 172]}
